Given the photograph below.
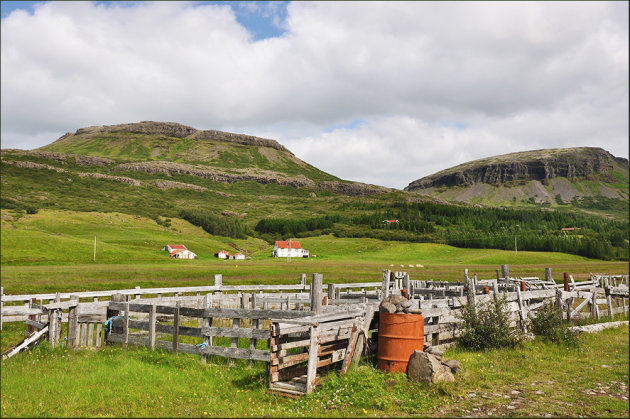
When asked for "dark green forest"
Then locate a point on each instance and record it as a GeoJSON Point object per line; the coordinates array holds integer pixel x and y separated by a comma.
{"type": "Point", "coordinates": [466, 226]}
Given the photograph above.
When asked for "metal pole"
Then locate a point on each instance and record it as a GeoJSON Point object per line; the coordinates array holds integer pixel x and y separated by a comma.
{"type": "Point", "coordinates": [515, 249]}
{"type": "Point", "coordinates": [95, 248]}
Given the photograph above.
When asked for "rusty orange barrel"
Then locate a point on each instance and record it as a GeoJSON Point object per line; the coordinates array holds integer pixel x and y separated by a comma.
{"type": "Point", "coordinates": [399, 335]}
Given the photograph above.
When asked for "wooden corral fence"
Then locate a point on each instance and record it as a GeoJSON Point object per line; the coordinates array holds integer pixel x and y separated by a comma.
{"type": "Point", "coordinates": [441, 301]}
{"type": "Point", "coordinates": [308, 328]}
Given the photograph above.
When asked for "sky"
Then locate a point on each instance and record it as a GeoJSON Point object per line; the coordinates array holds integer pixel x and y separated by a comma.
{"type": "Point", "coordinates": [376, 92]}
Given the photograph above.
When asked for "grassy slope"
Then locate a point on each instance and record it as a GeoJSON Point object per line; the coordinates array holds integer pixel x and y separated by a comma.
{"type": "Point", "coordinates": [590, 380]}
{"type": "Point", "coordinates": [140, 147]}
{"type": "Point", "coordinates": [128, 254]}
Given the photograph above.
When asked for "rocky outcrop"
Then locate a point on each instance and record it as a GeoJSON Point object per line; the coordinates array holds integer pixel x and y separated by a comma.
{"type": "Point", "coordinates": [218, 175]}
{"type": "Point", "coordinates": [80, 159]}
{"type": "Point", "coordinates": [122, 179]}
{"type": "Point", "coordinates": [169, 184]}
{"type": "Point", "coordinates": [352, 189]}
{"type": "Point", "coordinates": [175, 130]}
{"type": "Point", "coordinates": [541, 165]}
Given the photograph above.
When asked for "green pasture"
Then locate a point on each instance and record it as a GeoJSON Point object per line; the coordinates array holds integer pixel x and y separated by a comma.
{"type": "Point", "coordinates": [54, 250]}
{"type": "Point", "coordinates": [534, 379]}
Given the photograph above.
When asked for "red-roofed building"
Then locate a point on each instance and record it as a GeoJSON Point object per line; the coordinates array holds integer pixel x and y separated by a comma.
{"type": "Point", "coordinates": [289, 249]}
{"type": "Point", "coordinates": [223, 254]}
{"type": "Point", "coordinates": [183, 254]}
{"type": "Point", "coordinates": [389, 221]}
{"type": "Point", "coordinates": [172, 247]}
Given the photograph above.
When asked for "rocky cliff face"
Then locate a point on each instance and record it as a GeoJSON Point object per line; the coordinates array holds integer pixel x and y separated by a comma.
{"type": "Point", "coordinates": [175, 130]}
{"type": "Point", "coordinates": [541, 165]}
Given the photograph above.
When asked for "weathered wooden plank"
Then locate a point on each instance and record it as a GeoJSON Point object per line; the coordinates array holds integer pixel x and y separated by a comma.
{"type": "Point", "coordinates": [90, 335]}
{"type": "Point", "coordinates": [240, 332]}
{"type": "Point", "coordinates": [25, 343]}
{"type": "Point", "coordinates": [99, 334]}
{"type": "Point", "coordinates": [311, 370]}
{"type": "Point", "coordinates": [35, 323]}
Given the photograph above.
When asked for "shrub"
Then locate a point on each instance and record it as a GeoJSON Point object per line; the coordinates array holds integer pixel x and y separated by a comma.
{"type": "Point", "coordinates": [548, 325]}
{"type": "Point", "coordinates": [486, 325]}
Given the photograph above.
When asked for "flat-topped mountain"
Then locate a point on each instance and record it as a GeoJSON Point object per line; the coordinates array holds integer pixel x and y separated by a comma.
{"type": "Point", "coordinates": [558, 176]}
{"type": "Point", "coordinates": [170, 149]}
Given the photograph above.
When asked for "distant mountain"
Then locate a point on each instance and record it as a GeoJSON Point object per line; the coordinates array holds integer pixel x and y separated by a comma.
{"type": "Point", "coordinates": [171, 148]}
{"type": "Point", "coordinates": [585, 177]}
{"type": "Point", "coordinates": [235, 186]}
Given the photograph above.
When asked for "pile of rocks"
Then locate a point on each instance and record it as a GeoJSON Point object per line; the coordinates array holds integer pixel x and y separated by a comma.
{"type": "Point", "coordinates": [397, 304]}
{"type": "Point", "coordinates": [430, 366]}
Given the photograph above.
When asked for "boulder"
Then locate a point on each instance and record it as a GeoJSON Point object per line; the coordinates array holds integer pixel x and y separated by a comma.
{"type": "Point", "coordinates": [453, 364]}
{"type": "Point", "coordinates": [387, 307]}
{"type": "Point", "coordinates": [425, 367]}
{"type": "Point", "coordinates": [412, 310]}
{"type": "Point", "coordinates": [435, 352]}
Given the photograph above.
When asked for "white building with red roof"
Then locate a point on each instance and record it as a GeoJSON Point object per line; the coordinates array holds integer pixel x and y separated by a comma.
{"type": "Point", "coordinates": [223, 254]}
{"type": "Point", "coordinates": [183, 254]}
{"type": "Point", "coordinates": [172, 247]}
{"type": "Point", "coordinates": [289, 249]}
{"type": "Point", "coordinates": [179, 251]}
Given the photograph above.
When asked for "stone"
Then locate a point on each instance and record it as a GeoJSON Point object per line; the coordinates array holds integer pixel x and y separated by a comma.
{"type": "Point", "coordinates": [413, 311]}
{"type": "Point", "coordinates": [436, 352]}
{"type": "Point", "coordinates": [387, 307]}
{"type": "Point", "coordinates": [398, 308]}
{"type": "Point", "coordinates": [425, 367]}
{"type": "Point", "coordinates": [405, 304]}
{"type": "Point", "coordinates": [453, 364]}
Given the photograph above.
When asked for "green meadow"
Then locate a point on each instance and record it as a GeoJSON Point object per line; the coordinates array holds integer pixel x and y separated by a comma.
{"type": "Point", "coordinates": [54, 251]}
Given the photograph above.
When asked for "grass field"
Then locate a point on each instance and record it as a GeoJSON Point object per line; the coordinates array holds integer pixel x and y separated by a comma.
{"type": "Point", "coordinates": [53, 251]}
{"type": "Point", "coordinates": [535, 379]}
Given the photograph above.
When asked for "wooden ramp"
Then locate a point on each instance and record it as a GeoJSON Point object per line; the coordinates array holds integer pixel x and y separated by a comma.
{"type": "Point", "coordinates": [301, 350]}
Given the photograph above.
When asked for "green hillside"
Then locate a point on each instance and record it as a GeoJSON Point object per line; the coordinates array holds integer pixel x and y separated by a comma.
{"type": "Point", "coordinates": [237, 187]}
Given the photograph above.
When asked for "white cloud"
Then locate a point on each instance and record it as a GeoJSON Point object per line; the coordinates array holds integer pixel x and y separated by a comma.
{"type": "Point", "coordinates": [436, 83]}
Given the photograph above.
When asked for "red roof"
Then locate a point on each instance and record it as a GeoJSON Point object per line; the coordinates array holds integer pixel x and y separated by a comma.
{"type": "Point", "coordinates": [568, 229]}
{"type": "Point", "coordinates": [285, 244]}
{"type": "Point", "coordinates": [177, 247]}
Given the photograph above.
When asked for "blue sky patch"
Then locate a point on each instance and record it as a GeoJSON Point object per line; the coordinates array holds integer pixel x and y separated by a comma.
{"type": "Point", "coordinates": [263, 19]}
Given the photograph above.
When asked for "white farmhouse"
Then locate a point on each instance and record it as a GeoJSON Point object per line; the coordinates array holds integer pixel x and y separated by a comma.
{"type": "Point", "coordinates": [289, 249]}
{"type": "Point", "coordinates": [183, 254]}
{"type": "Point", "coordinates": [223, 254]}
{"type": "Point", "coordinates": [173, 247]}
{"type": "Point", "coordinates": [237, 256]}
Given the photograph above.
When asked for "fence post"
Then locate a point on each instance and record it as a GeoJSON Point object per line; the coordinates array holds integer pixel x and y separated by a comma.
{"type": "Point", "coordinates": [206, 323]}
{"type": "Point", "coordinates": [594, 308]}
{"type": "Point", "coordinates": [152, 320]}
{"type": "Point", "coordinates": [406, 282]}
{"type": "Point", "coordinates": [505, 271]}
{"type": "Point", "coordinates": [331, 292]}
{"type": "Point", "coordinates": [521, 306]}
{"type": "Point", "coordinates": [137, 296]}
{"type": "Point", "coordinates": [609, 301]}
{"type": "Point", "coordinates": [566, 281]}
{"type": "Point", "coordinates": [303, 282]}
{"type": "Point", "coordinates": [548, 277]}
{"type": "Point", "coordinates": [385, 286]}
{"type": "Point", "coordinates": [311, 370]}
{"type": "Point", "coordinates": [29, 328]}
{"type": "Point", "coordinates": [316, 293]}
{"type": "Point", "coordinates": [53, 328]}
{"type": "Point", "coordinates": [559, 302]}
{"type": "Point", "coordinates": [73, 324]}
{"type": "Point", "coordinates": [176, 329]}
{"type": "Point", "coordinates": [126, 327]}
